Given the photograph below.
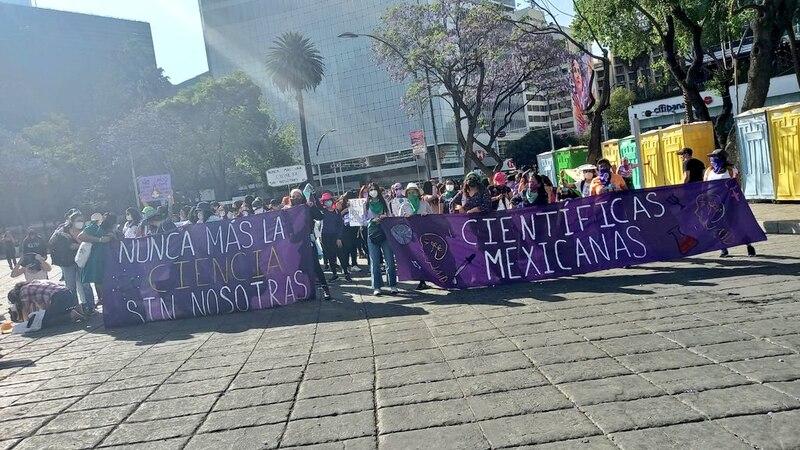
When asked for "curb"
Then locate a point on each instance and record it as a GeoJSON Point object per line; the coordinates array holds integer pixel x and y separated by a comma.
{"type": "Point", "coordinates": [782, 226]}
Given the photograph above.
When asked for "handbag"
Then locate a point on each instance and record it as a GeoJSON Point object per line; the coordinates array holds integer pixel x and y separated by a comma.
{"type": "Point", "coordinates": [376, 234]}
{"type": "Point", "coordinates": [82, 256]}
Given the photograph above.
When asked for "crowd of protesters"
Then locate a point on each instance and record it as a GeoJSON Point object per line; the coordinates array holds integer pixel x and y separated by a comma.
{"type": "Point", "coordinates": [76, 245]}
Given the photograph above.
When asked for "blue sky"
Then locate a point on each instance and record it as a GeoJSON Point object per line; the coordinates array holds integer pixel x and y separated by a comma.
{"type": "Point", "coordinates": [175, 24]}
{"type": "Point", "coordinates": [176, 28]}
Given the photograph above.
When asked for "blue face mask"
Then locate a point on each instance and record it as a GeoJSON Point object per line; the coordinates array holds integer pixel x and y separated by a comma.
{"type": "Point", "coordinates": [328, 203]}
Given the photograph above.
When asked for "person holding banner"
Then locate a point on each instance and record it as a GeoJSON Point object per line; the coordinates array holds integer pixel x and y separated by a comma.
{"type": "Point", "coordinates": [205, 213]}
{"type": "Point", "coordinates": [473, 198]}
{"type": "Point", "coordinates": [446, 195]}
{"type": "Point", "coordinates": [500, 193]}
{"type": "Point", "coordinates": [377, 242]}
{"type": "Point", "coordinates": [606, 181]}
{"type": "Point", "coordinates": [722, 169]}
{"type": "Point", "coordinates": [533, 192]}
{"type": "Point", "coordinates": [296, 198]}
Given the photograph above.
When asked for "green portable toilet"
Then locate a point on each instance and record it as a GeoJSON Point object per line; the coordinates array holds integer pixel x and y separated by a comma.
{"type": "Point", "coordinates": [627, 149]}
{"type": "Point", "coordinates": [570, 157]}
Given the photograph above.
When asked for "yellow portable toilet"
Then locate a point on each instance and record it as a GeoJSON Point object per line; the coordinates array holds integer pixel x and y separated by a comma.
{"type": "Point", "coordinates": [611, 152]}
{"type": "Point", "coordinates": [698, 136]}
{"type": "Point", "coordinates": [784, 133]}
{"type": "Point", "coordinates": [652, 159]}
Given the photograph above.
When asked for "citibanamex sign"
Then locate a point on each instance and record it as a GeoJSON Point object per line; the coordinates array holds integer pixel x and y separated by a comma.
{"type": "Point", "coordinates": [665, 108]}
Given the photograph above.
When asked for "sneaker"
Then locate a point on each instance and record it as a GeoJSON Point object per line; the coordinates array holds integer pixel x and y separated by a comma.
{"type": "Point", "coordinates": [376, 292]}
{"type": "Point", "coordinates": [393, 290]}
{"type": "Point", "coordinates": [724, 253]}
{"type": "Point", "coordinates": [347, 277]}
{"type": "Point", "coordinates": [326, 294]}
{"type": "Point", "coordinates": [333, 278]}
{"type": "Point", "coordinates": [422, 286]}
{"type": "Point", "coordinates": [751, 251]}
{"type": "Point", "coordinates": [355, 269]}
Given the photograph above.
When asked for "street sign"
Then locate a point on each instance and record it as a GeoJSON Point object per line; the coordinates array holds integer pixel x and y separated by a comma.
{"type": "Point", "coordinates": [284, 176]}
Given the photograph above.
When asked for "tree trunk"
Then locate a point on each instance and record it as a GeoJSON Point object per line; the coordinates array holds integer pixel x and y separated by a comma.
{"type": "Point", "coordinates": [794, 47]}
{"type": "Point", "coordinates": [723, 122]}
{"type": "Point", "coordinates": [686, 78]}
{"type": "Point", "coordinates": [767, 30]}
{"type": "Point", "coordinates": [304, 137]}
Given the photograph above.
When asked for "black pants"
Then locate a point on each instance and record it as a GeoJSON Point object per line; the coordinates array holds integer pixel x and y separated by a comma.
{"type": "Point", "coordinates": [11, 256]}
{"type": "Point", "coordinates": [349, 241]}
{"type": "Point", "coordinates": [58, 311]}
{"type": "Point", "coordinates": [317, 267]}
{"type": "Point", "coordinates": [332, 252]}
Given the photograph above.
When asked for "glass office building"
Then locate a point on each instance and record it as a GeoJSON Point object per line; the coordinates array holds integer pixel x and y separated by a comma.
{"type": "Point", "coordinates": [356, 96]}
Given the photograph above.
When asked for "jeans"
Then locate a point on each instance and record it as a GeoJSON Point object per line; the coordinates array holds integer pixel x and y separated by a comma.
{"type": "Point", "coordinates": [375, 251]}
{"type": "Point", "coordinates": [72, 277]}
{"type": "Point", "coordinates": [58, 309]}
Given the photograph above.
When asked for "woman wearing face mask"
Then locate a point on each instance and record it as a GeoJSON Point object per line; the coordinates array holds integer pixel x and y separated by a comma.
{"type": "Point", "coordinates": [473, 198]}
{"type": "Point", "coordinates": [606, 181]}
{"type": "Point", "coordinates": [332, 237]}
{"type": "Point", "coordinates": [533, 193]}
{"type": "Point", "coordinates": [500, 193]}
{"type": "Point", "coordinates": [415, 206]}
{"type": "Point", "coordinates": [63, 246]}
{"type": "Point", "coordinates": [447, 194]}
{"type": "Point", "coordinates": [99, 235]}
{"type": "Point", "coordinates": [378, 244]}
{"type": "Point", "coordinates": [296, 198]}
{"type": "Point", "coordinates": [582, 187]}
{"type": "Point", "coordinates": [132, 220]}
{"type": "Point", "coordinates": [204, 213]}
{"type": "Point", "coordinates": [722, 169]}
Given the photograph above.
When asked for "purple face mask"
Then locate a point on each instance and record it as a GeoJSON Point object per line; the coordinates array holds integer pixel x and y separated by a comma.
{"type": "Point", "coordinates": [605, 176]}
{"type": "Point", "coordinates": [717, 164]}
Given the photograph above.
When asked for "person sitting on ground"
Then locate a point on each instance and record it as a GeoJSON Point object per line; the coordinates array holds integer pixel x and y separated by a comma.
{"type": "Point", "coordinates": [60, 303]}
{"type": "Point", "coordinates": [606, 181]}
{"type": "Point", "coordinates": [33, 266]}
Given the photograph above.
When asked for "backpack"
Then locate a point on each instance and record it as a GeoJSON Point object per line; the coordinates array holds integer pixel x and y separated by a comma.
{"type": "Point", "coordinates": [60, 252]}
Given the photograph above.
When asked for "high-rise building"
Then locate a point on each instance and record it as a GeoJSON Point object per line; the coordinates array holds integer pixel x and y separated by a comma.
{"type": "Point", "coordinates": [76, 65]}
{"type": "Point", "coordinates": [356, 96]}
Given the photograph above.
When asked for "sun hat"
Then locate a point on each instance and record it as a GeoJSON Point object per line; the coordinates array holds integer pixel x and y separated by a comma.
{"type": "Point", "coordinates": [411, 186]}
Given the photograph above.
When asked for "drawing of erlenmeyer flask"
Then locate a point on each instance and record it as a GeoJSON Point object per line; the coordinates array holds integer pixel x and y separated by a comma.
{"type": "Point", "coordinates": [685, 242]}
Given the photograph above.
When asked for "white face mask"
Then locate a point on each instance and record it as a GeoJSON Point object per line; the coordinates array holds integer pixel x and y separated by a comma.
{"type": "Point", "coordinates": [128, 218]}
{"type": "Point", "coordinates": [450, 188]}
{"type": "Point", "coordinates": [259, 210]}
{"type": "Point", "coordinates": [79, 225]}
{"type": "Point", "coordinates": [373, 193]}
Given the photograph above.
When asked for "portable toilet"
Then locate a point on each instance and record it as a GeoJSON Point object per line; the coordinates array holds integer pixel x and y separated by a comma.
{"type": "Point", "coordinates": [653, 159]}
{"type": "Point", "coordinates": [610, 151]}
{"type": "Point", "coordinates": [755, 164]}
{"type": "Point", "coordinates": [699, 136]}
{"type": "Point", "coordinates": [547, 166]}
{"type": "Point", "coordinates": [627, 149]}
{"type": "Point", "coordinates": [570, 157]}
{"type": "Point", "coordinates": [784, 134]}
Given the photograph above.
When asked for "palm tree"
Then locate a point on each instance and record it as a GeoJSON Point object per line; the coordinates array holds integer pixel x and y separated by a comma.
{"type": "Point", "coordinates": [295, 65]}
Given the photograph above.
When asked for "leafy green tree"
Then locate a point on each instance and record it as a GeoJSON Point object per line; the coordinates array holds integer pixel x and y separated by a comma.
{"type": "Point", "coordinates": [295, 65]}
{"type": "Point", "coordinates": [617, 113]}
{"type": "Point", "coordinates": [524, 150]}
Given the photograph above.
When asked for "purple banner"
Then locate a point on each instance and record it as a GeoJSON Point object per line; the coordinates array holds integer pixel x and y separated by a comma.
{"type": "Point", "coordinates": [585, 235]}
{"type": "Point", "coordinates": [252, 263]}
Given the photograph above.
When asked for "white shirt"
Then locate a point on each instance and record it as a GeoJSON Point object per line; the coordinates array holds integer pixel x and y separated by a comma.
{"type": "Point", "coordinates": [711, 175]}
{"type": "Point", "coordinates": [130, 231]}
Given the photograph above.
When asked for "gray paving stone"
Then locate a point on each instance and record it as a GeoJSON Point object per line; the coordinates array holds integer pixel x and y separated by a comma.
{"type": "Point", "coordinates": [593, 443]}
{"type": "Point", "coordinates": [547, 339]}
{"type": "Point", "coordinates": [791, 341]}
{"type": "Point", "coordinates": [423, 415]}
{"type": "Point", "coordinates": [422, 373]}
{"type": "Point", "coordinates": [787, 387]}
{"type": "Point", "coordinates": [698, 435]}
{"type": "Point", "coordinates": [739, 400]}
{"type": "Point", "coordinates": [663, 360]}
{"type": "Point", "coordinates": [775, 368]}
{"type": "Point", "coordinates": [163, 444]}
{"type": "Point", "coordinates": [544, 327]}
{"type": "Point", "coordinates": [131, 433]}
{"type": "Point", "coordinates": [45, 408]}
{"type": "Point", "coordinates": [517, 402]}
{"type": "Point", "coordinates": [364, 443]}
{"type": "Point", "coordinates": [330, 428]}
{"type": "Point", "coordinates": [6, 444]}
{"type": "Point", "coordinates": [257, 363]}
{"type": "Point", "coordinates": [418, 393]}
{"type": "Point", "coordinates": [501, 362]}
{"type": "Point", "coordinates": [339, 368]}
{"type": "Point", "coordinates": [409, 358]}
{"type": "Point", "coordinates": [770, 327]}
{"type": "Point", "coordinates": [736, 351]}
{"type": "Point", "coordinates": [246, 417]}
{"type": "Point", "coordinates": [698, 378]}
{"type": "Point", "coordinates": [485, 335]}
{"type": "Point", "coordinates": [406, 346]}
{"type": "Point", "coordinates": [626, 387]}
{"type": "Point", "coordinates": [21, 428]}
{"type": "Point", "coordinates": [466, 437]}
{"type": "Point", "coordinates": [775, 430]}
{"type": "Point", "coordinates": [590, 369]}
{"type": "Point", "coordinates": [337, 385]}
{"type": "Point", "coordinates": [531, 318]}
{"type": "Point", "coordinates": [593, 321]}
{"type": "Point", "coordinates": [564, 353]}
{"type": "Point", "coordinates": [538, 428]}
{"type": "Point", "coordinates": [706, 336]}
{"type": "Point", "coordinates": [611, 331]}
{"type": "Point", "coordinates": [60, 382]}
{"type": "Point", "coordinates": [65, 440]}
{"type": "Point", "coordinates": [191, 389]}
{"type": "Point", "coordinates": [267, 377]}
{"type": "Point", "coordinates": [341, 344]}
{"type": "Point", "coordinates": [501, 381]}
{"type": "Point", "coordinates": [341, 355]}
{"type": "Point", "coordinates": [462, 328]}
{"type": "Point", "coordinates": [333, 405]}
{"type": "Point", "coordinates": [641, 413]}
{"type": "Point", "coordinates": [164, 409]}
{"type": "Point", "coordinates": [188, 376]}
{"type": "Point", "coordinates": [475, 349]}
{"type": "Point", "coordinates": [631, 345]}
{"type": "Point", "coordinates": [107, 399]}
{"type": "Point", "coordinates": [92, 418]}
{"type": "Point", "coordinates": [261, 437]}
{"type": "Point", "coordinates": [131, 383]}
{"type": "Point", "coordinates": [242, 398]}
{"type": "Point", "coordinates": [684, 322]}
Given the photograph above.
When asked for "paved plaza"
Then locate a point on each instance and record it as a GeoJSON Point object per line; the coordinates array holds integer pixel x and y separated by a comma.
{"type": "Point", "coordinates": [700, 353]}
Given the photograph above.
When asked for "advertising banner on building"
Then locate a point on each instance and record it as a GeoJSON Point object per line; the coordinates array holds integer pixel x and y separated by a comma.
{"type": "Point", "coordinates": [418, 146]}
